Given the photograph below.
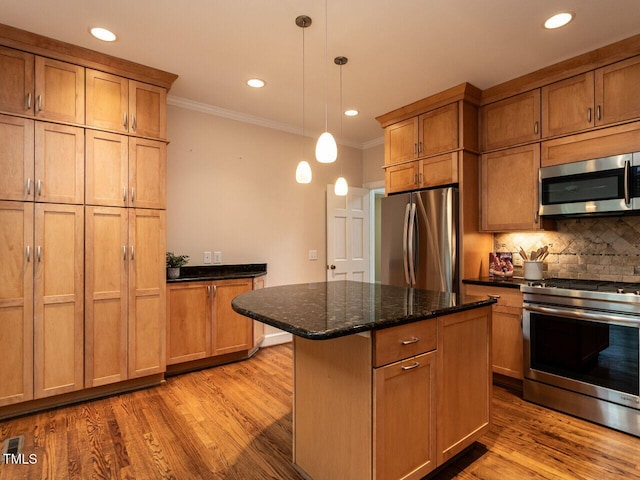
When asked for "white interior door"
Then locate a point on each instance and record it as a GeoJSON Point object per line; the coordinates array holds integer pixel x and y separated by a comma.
{"type": "Point", "coordinates": [348, 237]}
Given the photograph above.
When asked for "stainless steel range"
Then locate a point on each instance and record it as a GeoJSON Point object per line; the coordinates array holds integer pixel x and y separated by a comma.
{"type": "Point", "coordinates": [581, 349]}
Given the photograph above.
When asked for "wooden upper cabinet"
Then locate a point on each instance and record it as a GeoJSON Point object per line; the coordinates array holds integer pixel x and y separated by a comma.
{"type": "Point", "coordinates": [510, 122]}
{"type": "Point", "coordinates": [503, 207]}
{"type": "Point", "coordinates": [106, 169]}
{"type": "Point", "coordinates": [401, 141]}
{"type": "Point", "coordinates": [59, 163]}
{"type": "Point", "coordinates": [16, 301]}
{"type": "Point", "coordinates": [568, 105]}
{"type": "Point", "coordinates": [147, 173]}
{"type": "Point", "coordinates": [618, 92]}
{"type": "Point", "coordinates": [438, 130]}
{"type": "Point", "coordinates": [16, 158]}
{"type": "Point", "coordinates": [59, 91]}
{"type": "Point", "coordinates": [58, 299]}
{"type": "Point", "coordinates": [107, 101]}
{"type": "Point", "coordinates": [147, 110]}
{"type": "Point", "coordinates": [16, 81]}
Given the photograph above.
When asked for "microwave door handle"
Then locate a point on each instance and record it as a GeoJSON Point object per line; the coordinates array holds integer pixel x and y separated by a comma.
{"type": "Point", "coordinates": [627, 193]}
{"type": "Point", "coordinates": [405, 240]}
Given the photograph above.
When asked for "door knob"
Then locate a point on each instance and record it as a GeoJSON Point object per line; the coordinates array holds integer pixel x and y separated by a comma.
{"type": "Point", "coordinates": [332, 267]}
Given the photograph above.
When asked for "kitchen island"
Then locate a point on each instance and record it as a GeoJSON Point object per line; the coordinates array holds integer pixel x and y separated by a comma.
{"type": "Point", "coordinates": [389, 382]}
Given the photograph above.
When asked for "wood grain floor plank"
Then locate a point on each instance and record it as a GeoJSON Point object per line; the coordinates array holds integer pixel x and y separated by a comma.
{"type": "Point", "coordinates": [233, 422]}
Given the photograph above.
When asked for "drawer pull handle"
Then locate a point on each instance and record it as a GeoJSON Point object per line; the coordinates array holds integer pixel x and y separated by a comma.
{"type": "Point", "coordinates": [409, 342]}
{"type": "Point", "coordinates": [494, 296]}
{"type": "Point", "coordinates": [411, 367]}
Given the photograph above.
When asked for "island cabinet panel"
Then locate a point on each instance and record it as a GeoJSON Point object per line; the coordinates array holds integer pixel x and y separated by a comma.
{"type": "Point", "coordinates": [232, 332]}
{"type": "Point", "coordinates": [464, 380]}
{"type": "Point", "coordinates": [16, 301]}
{"type": "Point", "coordinates": [188, 321]}
{"type": "Point", "coordinates": [16, 81]}
{"type": "Point", "coordinates": [509, 122]}
{"type": "Point", "coordinates": [258, 327]}
{"type": "Point", "coordinates": [16, 158]}
{"type": "Point", "coordinates": [58, 299]}
{"type": "Point", "coordinates": [404, 418]}
{"type": "Point", "coordinates": [332, 408]}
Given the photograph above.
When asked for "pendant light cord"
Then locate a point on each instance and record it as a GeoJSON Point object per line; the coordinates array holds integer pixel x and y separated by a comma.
{"type": "Point", "coordinates": [326, 66]}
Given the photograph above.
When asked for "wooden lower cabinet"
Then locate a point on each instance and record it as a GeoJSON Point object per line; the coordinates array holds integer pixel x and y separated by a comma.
{"type": "Point", "coordinates": [404, 413]}
{"type": "Point", "coordinates": [58, 299]}
{"type": "Point", "coordinates": [16, 301]}
{"type": "Point", "coordinates": [202, 324]}
{"type": "Point", "coordinates": [401, 420]}
{"type": "Point", "coordinates": [506, 336]}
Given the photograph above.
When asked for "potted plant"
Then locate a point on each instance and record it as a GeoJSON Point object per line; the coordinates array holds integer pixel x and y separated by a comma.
{"type": "Point", "coordinates": [174, 262]}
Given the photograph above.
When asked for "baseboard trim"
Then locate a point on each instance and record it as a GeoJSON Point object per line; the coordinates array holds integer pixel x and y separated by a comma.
{"type": "Point", "coordinates": [276, 339]}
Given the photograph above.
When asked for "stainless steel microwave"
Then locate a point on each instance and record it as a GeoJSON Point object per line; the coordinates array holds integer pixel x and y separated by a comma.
{"type": "Point", "coordinates": [598, 186]}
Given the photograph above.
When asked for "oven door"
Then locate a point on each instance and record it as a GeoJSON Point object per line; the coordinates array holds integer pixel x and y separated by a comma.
{"type": "Point", "coordinates": [590, 186]}
{"type": "Point", "coordinates": [585, 351]}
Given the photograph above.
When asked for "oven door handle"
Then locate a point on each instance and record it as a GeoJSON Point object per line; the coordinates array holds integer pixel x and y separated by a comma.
{"type": "Point", "coordinates": [627, 193]}
{"type": "Point", "coordinates": [584, 315]}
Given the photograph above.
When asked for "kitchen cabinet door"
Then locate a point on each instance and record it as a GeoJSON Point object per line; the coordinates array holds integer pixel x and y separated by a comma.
{"type": "Point", "coordinates": [59, 91]}
{"type": "Point", "coordinates": [16, 301]}
{"type": "Point", "coordinates": [402, 178]}
{"type": "Point", "coordinates": [106, 295]}
{"type": "Point", "coordinates": [59, 163]}
{"type": "Point", "coordinates": [16, 81]}
{"type": "Point", "coordinates": [147, 173]}
{"type": "Point", "coordinates": [438, 171]}
{"type": "Point", "coordinates": [510, 122]}
{"type": "Point", "coordinates": [438, 131]}
{"type": "Point", "coordinates": [107, 169]}
{"type": "Point", "coordinates": [16, 158]}
{"type": "Point", "coordinates": [188, 321]}
{"type": "Point", "coordinates": [147, 110]}
{"type": "Point", "coordinates": [618, 92]}
{"type": "Point", "coordinates": [568, 106]}
{"type": "Point", "coordinates": [147, 306]}
{"type": "Point", "coordinates": [404, 418]}
{"type": "Point", "coordinates": [401, 141]}
{"type": "Point", "coordinates": [464, 380]}
{"type": "Point", "coordinates": [107, 101]}
{"type": "Point", "coordinates": [509, 196]}
{"type": "Point", "coordinates": [58, 299]}
{"type": "Point", "coordinates": [232, 332]}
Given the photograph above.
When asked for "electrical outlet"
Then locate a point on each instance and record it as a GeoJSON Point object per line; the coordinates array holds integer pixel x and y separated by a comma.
{"type": "Point", "coordinates": [517, 260]}
{"type": "Point", "coordinates": [313, 255]}
{"type": "Point", "coordinates": [217, 257]}
{"type": "Point", "coordinates": [207, 258]}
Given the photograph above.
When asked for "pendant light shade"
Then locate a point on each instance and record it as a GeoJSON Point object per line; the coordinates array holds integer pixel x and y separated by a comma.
{"type": "Point", "coordinates": [303, 172]}
{"type": "Point", "coordinates": [341, 188]}
{"type": "Point", "coordinates": [326, 148]}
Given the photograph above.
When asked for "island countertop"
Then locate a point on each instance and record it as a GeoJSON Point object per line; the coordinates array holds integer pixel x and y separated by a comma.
{"type": "Point", "coordinates": [325, 310]}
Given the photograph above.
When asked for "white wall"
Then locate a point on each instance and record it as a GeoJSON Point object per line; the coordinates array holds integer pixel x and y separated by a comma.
{"type": "Point", "coordinates": [231, 187]}
{"type": "Point", "coordinates": [372, 163]}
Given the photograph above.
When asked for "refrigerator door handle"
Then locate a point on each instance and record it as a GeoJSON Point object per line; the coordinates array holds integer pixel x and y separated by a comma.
{"type": "Point", "coordinates": [405, 232]}
{"type": "Point", "coordinates": [411, 246]}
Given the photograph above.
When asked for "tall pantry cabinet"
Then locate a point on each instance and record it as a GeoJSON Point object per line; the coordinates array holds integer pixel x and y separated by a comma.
{"type": "Point", "coordinates": [82, 221]}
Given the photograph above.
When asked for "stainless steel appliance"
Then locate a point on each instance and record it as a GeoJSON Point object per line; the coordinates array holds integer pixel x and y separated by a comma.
{"type": "Point", "coordinates": [581, 350]}
{"type": "Point", "coordinates": [419, 245]}
{"type": "Point", "coordinates": [602, 185]}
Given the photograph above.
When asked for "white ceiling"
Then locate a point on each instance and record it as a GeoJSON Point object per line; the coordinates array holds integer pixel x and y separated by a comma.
{"type": "Point", "coordinates": [399, 50]}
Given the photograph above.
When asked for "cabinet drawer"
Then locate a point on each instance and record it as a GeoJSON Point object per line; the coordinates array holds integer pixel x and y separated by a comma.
{"type": "Point", "coordinates": [404, 341]}
{"type": "Point", "coordinates": [507, 297]}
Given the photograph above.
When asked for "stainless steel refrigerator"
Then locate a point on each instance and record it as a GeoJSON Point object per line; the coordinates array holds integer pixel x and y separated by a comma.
{"type": "Point", "coordinates": [419, 246]}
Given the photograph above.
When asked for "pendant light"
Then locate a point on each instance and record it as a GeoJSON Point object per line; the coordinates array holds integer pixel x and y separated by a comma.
{"type": "Point", "coordinates": [326, 148]}
{"type": "Point", "coordinates": [303, 170]}
{"type": "Point", "coordinates": [341, 187]}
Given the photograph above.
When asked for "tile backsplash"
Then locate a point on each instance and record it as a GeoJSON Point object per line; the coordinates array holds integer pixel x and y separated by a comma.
{"type": "Point", "coordinates": [600, 248]}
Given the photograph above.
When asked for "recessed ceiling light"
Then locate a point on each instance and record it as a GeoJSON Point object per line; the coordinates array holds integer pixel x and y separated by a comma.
{"type": "Point", "coordinates": [351, 113]}
{"type": "Point", "coordinates": [255, 83]}
{"type": "Point", "coordinates": [558, 20]}
{"type": "Point", "coordinates": [103, 34]}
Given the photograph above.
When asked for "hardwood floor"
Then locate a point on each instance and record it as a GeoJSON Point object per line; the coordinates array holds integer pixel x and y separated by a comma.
{"type": "Point", "coordinates": [234, 422]}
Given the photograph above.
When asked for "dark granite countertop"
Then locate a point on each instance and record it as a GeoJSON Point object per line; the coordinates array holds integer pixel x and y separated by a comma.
{"type": "Point", "coordinates": [334, 309]}
{"type": "Point", "coordinates": [219, 272]}
{"type": "Point", "coordinates": [512, 282]}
